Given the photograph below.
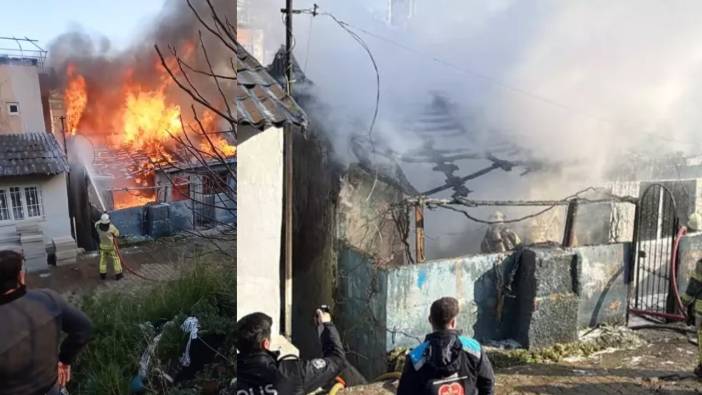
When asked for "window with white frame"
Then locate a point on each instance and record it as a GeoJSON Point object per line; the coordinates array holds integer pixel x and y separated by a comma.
{"type": "Point", "coordinates": [4, 206]}
{"type": "Point", "coordinates": [18, 203]}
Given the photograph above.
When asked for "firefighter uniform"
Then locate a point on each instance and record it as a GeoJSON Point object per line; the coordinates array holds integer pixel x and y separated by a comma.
{"type": "Point", "coordinates": [693, 297]}
{"type": "Point", "coordinates": [107, 232]}
{"type": "Point", "coordinates": [498, 237]}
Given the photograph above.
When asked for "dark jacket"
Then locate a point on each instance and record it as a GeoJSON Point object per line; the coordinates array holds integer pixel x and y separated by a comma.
{"type": "Point", "coordinates": [30, 333]}
{"type": "Point", "coordinates": [446, 360]}
{"type": "Point", "coordinates": [264, 372]}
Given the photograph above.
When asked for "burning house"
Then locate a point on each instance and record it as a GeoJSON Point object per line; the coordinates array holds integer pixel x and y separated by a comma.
{"type": "Point", "coordinates": [141, 142]}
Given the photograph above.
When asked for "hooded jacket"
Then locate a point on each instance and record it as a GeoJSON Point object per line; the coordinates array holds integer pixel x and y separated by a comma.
{"type": "Point", "coordinates": [265, 373]}
{"type": "Point", "coordinates": [447, 363]}
{"type": "Point", "coordinates": [30, 339]}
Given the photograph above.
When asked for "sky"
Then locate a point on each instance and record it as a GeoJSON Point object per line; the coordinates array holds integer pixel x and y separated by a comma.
{"type": "Point", "coordinates": [45, 20]}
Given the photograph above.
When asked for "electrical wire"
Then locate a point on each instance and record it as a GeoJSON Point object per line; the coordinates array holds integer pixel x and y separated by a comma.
{"type": "Point", "coordinates": [555, 204]}
{"type": "Point", "coordinates": [505, 86]}
{"type": "Point", "coordinates": [347, 28]}
{"type": "Point", "coordinates": [307, 48]}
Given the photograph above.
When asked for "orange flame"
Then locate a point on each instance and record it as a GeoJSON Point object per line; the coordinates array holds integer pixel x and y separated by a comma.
{"type": "Point", "coordinates": [75, 99]}
{"type": "Point", "coordinates": [148, 120]}
{"type": "Point", "coordinates": [219, 147]}
{"type": "Point", "coordinates": [123, 199]}
{"type": "Point", "coordinates": [141, 114]}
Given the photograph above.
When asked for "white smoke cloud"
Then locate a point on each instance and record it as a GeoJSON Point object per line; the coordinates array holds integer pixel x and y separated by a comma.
{"type": "Point", "coordinates": [578, 82]}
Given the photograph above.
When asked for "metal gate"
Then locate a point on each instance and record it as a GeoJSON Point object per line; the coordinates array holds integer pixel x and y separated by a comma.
{"type": "Point", "coordinates": [655, 294]}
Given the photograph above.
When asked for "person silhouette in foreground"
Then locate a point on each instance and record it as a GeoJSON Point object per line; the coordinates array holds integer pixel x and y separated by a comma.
{"type": "Point", "coordinates": [261, 371]}
{"type": "Point", "coordinates": [33, 359]}
{"type": "Point", "coordinates": [447, 363]}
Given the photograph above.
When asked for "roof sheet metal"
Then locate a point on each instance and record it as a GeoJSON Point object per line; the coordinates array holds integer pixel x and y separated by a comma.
{"type": "Point", "coordinates": [31, 154]}
{"type": "Point", "coordinates": [261, 101]}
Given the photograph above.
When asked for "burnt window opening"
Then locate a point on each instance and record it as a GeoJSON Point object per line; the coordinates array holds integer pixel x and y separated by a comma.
{"type": "Point", "coordinates": [181, 188]}
{"type": "Point", "coordinates": [215, 183]}
{"type": "Point", "coordinates": [13, 108]}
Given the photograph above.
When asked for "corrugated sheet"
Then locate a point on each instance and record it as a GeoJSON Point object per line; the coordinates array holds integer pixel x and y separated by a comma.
{"type": "Point", "coordinates": [31, 154]}
{"type": "Point", "coordinates": [261, 101]}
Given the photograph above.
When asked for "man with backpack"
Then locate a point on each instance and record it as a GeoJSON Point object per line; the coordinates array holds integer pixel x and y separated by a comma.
{"type": "Point", "coordinates": [447, 363]}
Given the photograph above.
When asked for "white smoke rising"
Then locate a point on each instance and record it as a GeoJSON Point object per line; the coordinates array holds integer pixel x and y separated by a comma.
{"type": "Point", "coordinates": [581, 83]}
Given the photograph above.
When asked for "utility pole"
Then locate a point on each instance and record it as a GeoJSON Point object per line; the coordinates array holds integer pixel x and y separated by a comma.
{"type": "Point", "coordinates": [288, 182]}
{"type": "Point", "coordinates": [63, 132]}
{"type": "Point", "coordinates": [71, 201]}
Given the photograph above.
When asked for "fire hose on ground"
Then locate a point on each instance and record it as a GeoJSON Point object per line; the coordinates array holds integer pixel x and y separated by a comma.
{"type": "Point", "coordinates": [126, 266]}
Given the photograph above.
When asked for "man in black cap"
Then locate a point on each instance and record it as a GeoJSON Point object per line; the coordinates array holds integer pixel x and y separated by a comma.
{"type": "Point", "coordinates": [447, 363]}
{"type": "Point", "coordinates": [33, 359]}
{"type": "Point", "coordinates": [260, 371]}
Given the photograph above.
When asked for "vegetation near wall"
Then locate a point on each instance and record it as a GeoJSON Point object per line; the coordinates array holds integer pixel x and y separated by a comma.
{"type": "Point", "coordinates": [124, 323]}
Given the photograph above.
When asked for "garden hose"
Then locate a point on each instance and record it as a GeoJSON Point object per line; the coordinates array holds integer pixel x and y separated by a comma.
{"type": "Point", "coordinates": [336, 388]}
{"type": "Point", "coordinates": [389, 376]}
{"type": "Point", "coordinates": [124, 263]}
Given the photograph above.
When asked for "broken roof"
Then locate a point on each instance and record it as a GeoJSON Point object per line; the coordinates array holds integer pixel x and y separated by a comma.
{"type": "Point", "coordinates": [260, 100]}
{"type": "Point", "coordinates": [31, 154]}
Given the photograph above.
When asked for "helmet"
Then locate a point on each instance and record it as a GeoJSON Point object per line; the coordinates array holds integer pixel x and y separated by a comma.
{"type": "Point", "coordinates": [105, 219]}
{"type": "Point", "coordinates": [695, 222]}
{"type": "Point", "coordinates": [497, 216]}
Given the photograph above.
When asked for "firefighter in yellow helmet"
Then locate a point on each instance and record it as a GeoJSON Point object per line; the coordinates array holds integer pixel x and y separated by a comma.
{"type": "Point", "coordinates": [693, 294]}
{"type": "Point", "coordinates": [107, 232]}
{"type": "Point", "coordinates": [499, 237]}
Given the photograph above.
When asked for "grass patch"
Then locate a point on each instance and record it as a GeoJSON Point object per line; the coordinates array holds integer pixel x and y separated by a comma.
{"type": "Point", "coordinates": [111, 359]}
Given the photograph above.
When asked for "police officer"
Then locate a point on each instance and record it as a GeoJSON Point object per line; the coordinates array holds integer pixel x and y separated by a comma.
{"type": "Point", "coordinates": [261, 371]}
{"type": "Point", "coordinates": [447, 363]}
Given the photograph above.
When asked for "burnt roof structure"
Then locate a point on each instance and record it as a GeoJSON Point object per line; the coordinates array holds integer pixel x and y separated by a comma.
{"type": "Point", "coordinates": [28, 154]}
{"type": "Point", "coordinates": [260, 100]}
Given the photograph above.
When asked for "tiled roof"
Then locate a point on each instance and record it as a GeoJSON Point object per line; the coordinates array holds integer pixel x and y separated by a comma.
{"type": "Point", "coordinates": [260, 100]}
{"type": "Point", "coordinates": [31, 154]}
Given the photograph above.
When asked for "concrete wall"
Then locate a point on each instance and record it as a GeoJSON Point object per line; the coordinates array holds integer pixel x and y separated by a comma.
{"type": "Point", "coordinates": [20, 83]}
{"type": "Point", "coordinates": [470, 279]}
{"type": "Point", "coordinates": [602, 286]}
{"type": "Point", "coordinates": [364, 217]}
{"type": "Point", "coordinates": [155, 220]}
{"type": "Point", "coordinates": [55, 221]}
{"type": "Point", "coordinates": [260, 213]}
{"type": "Point", "coordinates": [129, 221]}
{"type": "Point", "coordinates": [361, 310]}
{"type": "Point", "coordinates": [555, 293]}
